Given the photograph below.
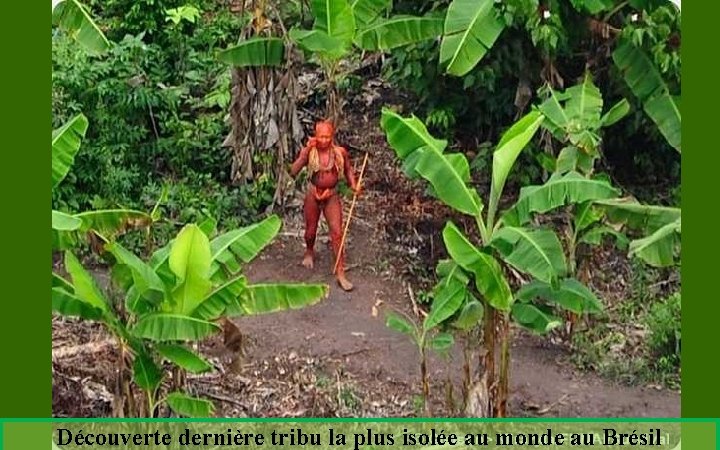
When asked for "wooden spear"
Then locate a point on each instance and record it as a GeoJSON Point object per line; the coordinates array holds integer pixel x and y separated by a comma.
{"type": "Point", "coordinates": [352, 206]}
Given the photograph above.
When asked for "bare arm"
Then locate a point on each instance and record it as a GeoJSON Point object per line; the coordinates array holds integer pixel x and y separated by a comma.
{"type": "Point", "coordinates": [349, 173]}
{"type": "Point", "coordinates": [302, 158]}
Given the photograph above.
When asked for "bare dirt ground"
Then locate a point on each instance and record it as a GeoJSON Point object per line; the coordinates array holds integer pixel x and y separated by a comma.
{"type": "Point", "coordinates": [337, 358]}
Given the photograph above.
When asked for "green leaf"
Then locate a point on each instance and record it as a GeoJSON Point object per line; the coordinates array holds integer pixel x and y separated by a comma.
{"type": "Point", "coordinates": [648, 86]}
{"type": "Point", "coordinates": [267, 298]}
{"type": "Point", "coordinates": [109, 222]}
{"type": "Point", "coordinates": [567, 160]}
{"type": "Point", "coordinates": [447, 175]}
{"type": "Point", "coordinates": [537, 252]}
{"type": "Point", "coordinates": [317, 41]}
{"type": "Point", "coordinates": [146, 372]}
{"type": "Point", "coordinates": [447, 268]}
{"type": "Point", "coordinates": [334, 17]}
{"type": "Point", "coordinates": [509, 148]}
{"type": "Point", "coordinates": [489, 278]}
{"type": "Point", "coordinates": [243, 244]}
{"type": "Point", "coordinates": [72, 17]}
{"type": "Point", "coordinates": [658, 249]}
{"type": "Point", "coordinates": [617, 112]}
{"type": "Point", "coordinates": [68, 304]}
{"type": "Point", "coordinates": [407, 135]}
{"type": "Point", "coordinates": [65, 145]}
{"type": "Point", "coordinates": [449, 296]}
{"type": "Point", "coordinates": [189, 260]}
{"type": "Point", "coordinates": [217, 302]}
{"type": "Point", "coordinates": [147, 283]}
{"type": "Point", "coordinates": [594, 236]}
{"type": "Point", "coordinates": [638, 216]}
{"type": "Point", "coordinates": [163, 327]}
{"type": "Point", "coordinates": [471, 28]}
{"type": "Point", "coordinates": [559, 190]}
{"type": "Point", "coordinates": [58, 281]}
{"type": "Point", "coordinates": [584, 104]}
{"type": "Point", "coordinates": [398, 31]}
{"type": "Point", "coordinates": [187, 406]}
{"type": "Point", "coordinates": [441, 342]}
{"type": "Point", "coordinates": [586, 215]}
{"type": "Point", "coordinates": [470, 315]}
{"type": "Point", "coordinates": [184, 358]}
{"type": "Point", "coordinates": [85, 287]}
{"type": "Point", "coordinates": [254, 52]}
{"type": "Point", "coordinates": [366, 11]}
{"type": "Point", "coordinates": [64, 222]}
{"type": "Point", "coordinates": [535, 320]}
{"type": "Point", "coordinates": [570, 294]}
{"type": "Point", "coordinates": [399, 324]}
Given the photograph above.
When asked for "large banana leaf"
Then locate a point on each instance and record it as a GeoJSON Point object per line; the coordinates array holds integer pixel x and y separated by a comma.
{"type": "Point", "coordinates": [471, 28]}
{"type": "Point", "coordinates": [509, 148]}
{"type": "Point", "coordinates": [649, 87]}
{"type": "Point", "coordinates": [72, 17]}
{"type": "Point", "coordinates": [67, 304]}
{"type": "Point", "coordinates": [569, 294]}
{"type": "Point", "coordinates": [558, 191]}
{"type": "Point", "coordinates": [537, 252]}
{"type": "Point", "coordinates": [84, 285]}
{"type": "Point", "coordinates": [64, 222]}
{"type": "Point", "coordinates": [216, 303]}
{"type": "Point", "coordinates": [187, 406]}
{"type": "Point", "coordinates": [241, 244]}
{"type": "Point", "coordinates": [267, 298]}
{"type": "Point", "coordinates": [318, 41]}
{"type": "Point", "coordinates": [447, 175]}
{"type": "Point", "coordinates": [145, 281]}
{"type": "Point", "coordinates": [638, 216]}
{"type": "Point", "coordinates": [534, 319]}
{"type": "Point", "coordinates": [658, 249]}
{"type": "Point", "coordinates": [449, 296]}
{"type": "Point", "coordinates": [65, 145]}
{"type": "Point", "coordinates": [489, 278]}
{"type": "Point", "coordinates": [398, 31]}
{"type": "Point", "coordinates": [190, 262]}
{"type": "Point", "coordinates": [334, 17]}
{"type": "Point", "coordinates": [254, 52]}
{"type": "Point", "coordinates": [164, 327]}
{"type": "Point", "coordinates": [585, 103]}
{"type": "Point", "coordinates": [183, 357]}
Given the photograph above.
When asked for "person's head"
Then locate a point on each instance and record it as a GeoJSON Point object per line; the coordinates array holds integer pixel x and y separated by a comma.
{"type": "Point", "coordinates": [324, 131]}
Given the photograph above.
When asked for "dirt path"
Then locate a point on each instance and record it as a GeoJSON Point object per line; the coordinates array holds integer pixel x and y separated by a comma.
{"type": "Point", "coordinates": [344, 327]}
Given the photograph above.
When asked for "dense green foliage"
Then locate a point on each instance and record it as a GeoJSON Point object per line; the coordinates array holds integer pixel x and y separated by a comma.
{"type": "Point", "coordinates": [156, 104]}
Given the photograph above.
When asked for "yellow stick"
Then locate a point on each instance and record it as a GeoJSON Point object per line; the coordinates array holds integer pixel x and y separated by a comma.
{"type": "Point", "coordinates": [352, 206]}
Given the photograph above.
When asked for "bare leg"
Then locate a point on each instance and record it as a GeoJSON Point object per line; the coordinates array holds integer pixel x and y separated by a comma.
{"type": "Point", "coordinates": [312, 215]}
{"type": "Point", "coordinates": [333, 215]}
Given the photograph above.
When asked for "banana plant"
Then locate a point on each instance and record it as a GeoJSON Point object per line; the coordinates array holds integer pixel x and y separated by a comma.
{"type": "Point", "coordinates": [534, 251]}
{"type": "Point", "coordinates": [341, 25]}
{"type": "Point", "coordinates": [426, 336]}
{"type": "Point", "coordinates": [68, 228]}
{"type": "Point", "coordinates": [173, 300]}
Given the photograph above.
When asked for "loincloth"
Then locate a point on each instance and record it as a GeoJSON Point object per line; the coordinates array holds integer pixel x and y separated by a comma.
{"type": "Point", "coordinates": [321, 194]}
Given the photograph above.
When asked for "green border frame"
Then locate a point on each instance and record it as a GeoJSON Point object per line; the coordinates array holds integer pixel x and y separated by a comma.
{"type": "Point", "coordinates": [26, 387]}
{"type": "Point", "coordinates": [700, 308]}
{"type": "Point", "coordinates": [25, 332]}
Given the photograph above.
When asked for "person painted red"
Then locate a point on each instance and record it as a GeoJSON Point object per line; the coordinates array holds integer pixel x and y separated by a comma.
{"type": "Point", "coordinates": [327, 164]}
